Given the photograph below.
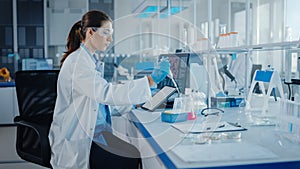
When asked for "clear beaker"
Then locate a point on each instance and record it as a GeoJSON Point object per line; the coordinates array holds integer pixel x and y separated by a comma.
{"type": "Point", "coordinates": [183, 104]}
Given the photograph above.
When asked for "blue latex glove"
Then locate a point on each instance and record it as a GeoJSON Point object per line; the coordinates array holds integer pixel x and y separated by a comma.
{"type": "Point", "coordinates": [221, 94]}
{"type": "Point", "coordinates": [161, 72]}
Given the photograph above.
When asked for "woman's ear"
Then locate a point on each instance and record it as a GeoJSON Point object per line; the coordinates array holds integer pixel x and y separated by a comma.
{"type": "Point", "coordinates": [91, 31]}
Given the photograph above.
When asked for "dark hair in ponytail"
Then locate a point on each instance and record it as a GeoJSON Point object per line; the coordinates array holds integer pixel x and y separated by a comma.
{"type": "Point", "coordinates": [73, 41]}
{"type": "Point", "coordinates": [77, 33]}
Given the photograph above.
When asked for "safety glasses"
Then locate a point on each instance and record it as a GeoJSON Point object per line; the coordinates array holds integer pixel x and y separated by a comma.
{"type": "Point", "coordinates": [105, 32]}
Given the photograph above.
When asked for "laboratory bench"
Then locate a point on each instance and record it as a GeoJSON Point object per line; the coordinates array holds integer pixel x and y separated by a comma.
{"type": "Point", "coordinates": [259, 146]}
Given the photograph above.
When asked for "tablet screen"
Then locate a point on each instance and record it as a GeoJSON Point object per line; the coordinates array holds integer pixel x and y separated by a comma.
{"type": "Point", "coordinates": [159, 98]}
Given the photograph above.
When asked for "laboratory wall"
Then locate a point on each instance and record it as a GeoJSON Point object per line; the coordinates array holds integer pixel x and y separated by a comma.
{"type": "Point", "coordinates": [292, 20]}
{"type": "Point", "coordinates": [256, 22]}
{"type": "Point", "coordinates": [265, 22]}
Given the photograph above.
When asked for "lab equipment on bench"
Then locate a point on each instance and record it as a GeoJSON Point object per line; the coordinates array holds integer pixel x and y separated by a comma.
{"type": "Point", "coordinates": [171, 116]}
{"type": "Point", "coordinates": [270, 77]}
{"type": "Point", "coordinates": [182, 111]}
{"type": "Point", "coordinates": [185, 107]}
{"type": "Point", "coordinates": [226, 101]}
{"type": "Point", "coordinates": [288, 123]}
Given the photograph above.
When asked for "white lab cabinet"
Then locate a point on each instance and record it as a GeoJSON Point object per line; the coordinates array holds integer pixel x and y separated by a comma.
{"type": "Point", "coordinates": [8, 105]}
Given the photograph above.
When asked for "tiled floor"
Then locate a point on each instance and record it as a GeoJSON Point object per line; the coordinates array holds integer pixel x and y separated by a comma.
{"type": "Point", "coordinates": [8, 156]}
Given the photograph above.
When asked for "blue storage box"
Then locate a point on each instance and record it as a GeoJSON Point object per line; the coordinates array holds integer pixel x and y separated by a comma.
{"type": "Point", "coordinates": [172, 117]}
{"type": "Point", "coordinates": [221, 102]}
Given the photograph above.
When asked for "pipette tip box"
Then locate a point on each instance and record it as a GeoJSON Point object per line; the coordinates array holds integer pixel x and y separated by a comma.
{"type": "Point", "coordinates": [171, 116]}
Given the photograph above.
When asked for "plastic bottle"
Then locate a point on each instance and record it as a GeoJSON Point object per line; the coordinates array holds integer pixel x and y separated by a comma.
{"type": "Point", "coordinates": [189, 104]}
{"type": "Point", "coordinates": [222, 40]}
{"type": "Point", "coordinates": [233, 36]}
{"type": "Point", "coordinates": [227, 41]}
{"type": "Point", "coordinates": [222, 36]}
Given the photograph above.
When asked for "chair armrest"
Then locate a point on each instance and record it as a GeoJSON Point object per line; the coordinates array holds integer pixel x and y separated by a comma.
{"type": "Point", "coordinates": [42, 132]}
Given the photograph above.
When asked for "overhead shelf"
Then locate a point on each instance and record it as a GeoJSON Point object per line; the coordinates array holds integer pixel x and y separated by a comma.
{"type": "Point", "coordinates": [263, 47]}
{"type": "Point", "coordinates": [293, 45]}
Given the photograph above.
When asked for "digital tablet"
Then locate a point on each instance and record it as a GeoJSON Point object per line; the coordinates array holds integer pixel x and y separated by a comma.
{"type": "Point", "coordinates": [159, 98]}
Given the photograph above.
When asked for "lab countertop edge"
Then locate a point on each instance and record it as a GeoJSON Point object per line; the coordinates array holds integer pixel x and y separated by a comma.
{"type": "Point", "coordinates": [7, 84]}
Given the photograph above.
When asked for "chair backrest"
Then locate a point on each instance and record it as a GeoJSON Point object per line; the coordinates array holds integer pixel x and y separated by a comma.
{"type": "Point", "coordinates": [36, 94]}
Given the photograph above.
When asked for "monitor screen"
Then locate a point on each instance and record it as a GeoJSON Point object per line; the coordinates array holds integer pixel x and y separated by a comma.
{"type": "Point", "coordinates": [179, 68]}
{"type": "Point", "coordinates": [198, 73]}
{"type": "Point", "coordinates": [37, 64]}
{"type": "Point", "coordinates": [254, 68]}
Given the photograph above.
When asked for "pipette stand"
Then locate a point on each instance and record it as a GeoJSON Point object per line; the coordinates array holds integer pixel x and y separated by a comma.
{"type": "Point", "coordinates": [265, 76]}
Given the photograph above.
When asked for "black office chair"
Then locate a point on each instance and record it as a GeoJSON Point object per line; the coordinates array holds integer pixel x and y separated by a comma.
{"type": "Point", "coordinates": [36, 94]}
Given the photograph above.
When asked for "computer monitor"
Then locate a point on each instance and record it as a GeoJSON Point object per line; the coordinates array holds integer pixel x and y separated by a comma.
{"type": "Point", "coordinates": [254, 68]}
{"type": "Point", "coordinates": [180, 70]}
{"type": "Point", "coordinates": [37, 64]}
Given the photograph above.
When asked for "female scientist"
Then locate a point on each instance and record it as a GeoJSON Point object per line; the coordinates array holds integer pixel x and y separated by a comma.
{"type": "Point", "coordinates": [80, 135]}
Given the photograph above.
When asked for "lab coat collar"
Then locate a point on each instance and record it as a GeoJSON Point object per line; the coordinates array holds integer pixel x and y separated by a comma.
{"type": "Point", "coordinates": [99, 66]}
{"type": "Point", "coordinates": [89, 53]}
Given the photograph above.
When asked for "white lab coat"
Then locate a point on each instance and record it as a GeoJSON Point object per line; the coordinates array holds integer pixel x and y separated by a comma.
{"type": "Point", "coordinates": [80, 89]}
